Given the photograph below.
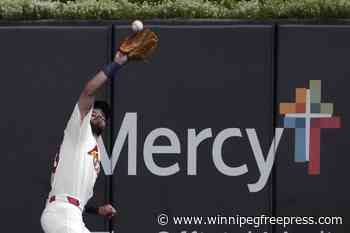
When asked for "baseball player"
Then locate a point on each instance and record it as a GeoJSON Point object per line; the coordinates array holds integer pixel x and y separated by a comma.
{"type": "Point", "coordinates": [77, 163]}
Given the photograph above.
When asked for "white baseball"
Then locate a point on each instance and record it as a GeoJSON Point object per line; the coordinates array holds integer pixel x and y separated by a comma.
{"type": "Point", "coordinates": [137, 26]}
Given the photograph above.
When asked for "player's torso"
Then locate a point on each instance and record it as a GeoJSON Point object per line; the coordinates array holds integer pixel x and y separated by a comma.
{"type": "Point", "coordinates": [77, 168]}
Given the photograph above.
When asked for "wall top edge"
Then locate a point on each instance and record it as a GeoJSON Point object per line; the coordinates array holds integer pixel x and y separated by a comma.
{"type": "Point", "coordinates": [175, 22]}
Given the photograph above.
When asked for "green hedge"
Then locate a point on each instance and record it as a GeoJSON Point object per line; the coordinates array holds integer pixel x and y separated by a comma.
{"type": "Point", "coordinates": [158, 9]}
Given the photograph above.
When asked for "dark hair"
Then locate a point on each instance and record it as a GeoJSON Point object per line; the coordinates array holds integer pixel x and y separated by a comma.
{"type": "Point", "coordinates": [104, 106]}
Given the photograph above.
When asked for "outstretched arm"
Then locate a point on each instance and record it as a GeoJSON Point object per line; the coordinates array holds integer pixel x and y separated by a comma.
{"type": "Point", "coordinates": [87, 96]}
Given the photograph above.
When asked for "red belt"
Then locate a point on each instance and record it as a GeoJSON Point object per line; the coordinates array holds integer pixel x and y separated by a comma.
{"type": "Point", "coordinates": [70, 200]}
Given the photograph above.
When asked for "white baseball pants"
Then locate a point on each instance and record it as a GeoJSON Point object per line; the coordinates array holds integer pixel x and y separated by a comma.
{"type": "Point", "coordinates": [62, 217]}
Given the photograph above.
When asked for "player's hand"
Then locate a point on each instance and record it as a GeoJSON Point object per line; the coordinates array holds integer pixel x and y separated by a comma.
{"type": "Point", "coordinates": [120, 58]}
{"type": "Point", "coordinates": [107, 211]}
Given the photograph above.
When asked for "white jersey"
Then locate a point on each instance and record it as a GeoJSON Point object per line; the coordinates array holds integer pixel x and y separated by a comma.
{"type": "Point", "coordinates": [78, 163]}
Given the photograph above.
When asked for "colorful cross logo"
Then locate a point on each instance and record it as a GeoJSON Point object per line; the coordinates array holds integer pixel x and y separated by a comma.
{"type": "Point", "coordinates": [307, 116]}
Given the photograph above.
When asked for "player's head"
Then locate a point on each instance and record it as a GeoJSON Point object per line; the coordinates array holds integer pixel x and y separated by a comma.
{"type": "Point", "coordinates": [99, 117]}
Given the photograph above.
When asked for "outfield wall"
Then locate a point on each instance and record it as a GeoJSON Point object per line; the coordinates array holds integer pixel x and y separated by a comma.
{"type": "Point", "coordinates": [215, 88]}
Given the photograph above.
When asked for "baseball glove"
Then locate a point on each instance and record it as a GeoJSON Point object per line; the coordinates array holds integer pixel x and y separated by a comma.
{"type": "Point", "coordinates": [140, 45]}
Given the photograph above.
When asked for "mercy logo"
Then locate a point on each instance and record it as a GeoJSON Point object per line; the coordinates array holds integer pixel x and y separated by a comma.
{"type": "Point", "coordinates": [307, 116]}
